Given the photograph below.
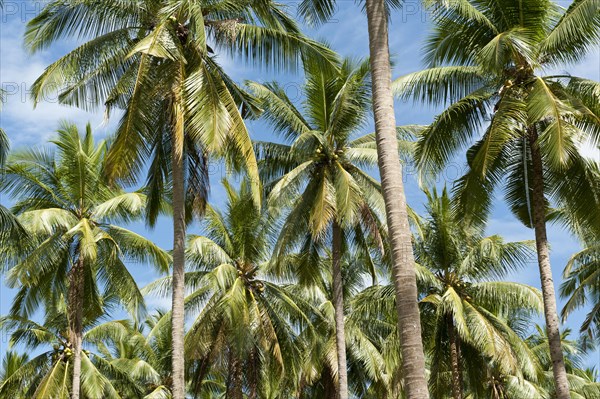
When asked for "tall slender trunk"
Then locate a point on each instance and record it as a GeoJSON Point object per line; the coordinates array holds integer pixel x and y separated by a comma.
{"type": "Point", "coordinates": [329, 386]}
{"type": "Point", "coordinates": [301, 386]}
{"type": "Point", "coordinates": [253, 374]}
{"type": "Point", "coordinates": [548, 293]}
{"type": "Point", "coordinates": [457, 391]}
{"type": "Point", "coordinates": [338, 305]}
{"type": "Point", "coordinates": [76, 288]}
{"type": "Point", "coordinates": [179, 227]}
{"type": "Point", "coordinates": [235, 378]}
{"type": "Point", "coordinates": [409, 324]}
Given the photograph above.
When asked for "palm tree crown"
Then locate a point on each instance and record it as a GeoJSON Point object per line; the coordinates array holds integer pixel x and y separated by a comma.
{"type": "Point", "coordinates": [470, 313]}
{"type": "Point", "coordinates": [148, 56]}
{"type": "Point", "coordinates": [581, 276]}
{"type": "Point", "coordinates": [247, 328]}
{"type": "Point", "coordinates": [326, 165]}
{"type": "Point", "coordinates": [46, 374]}
{"type": "Point", "coordinates": [71, 212]}
{"type": "Point", "coordinates": [487, 60]}
{"type": "Point", "coordinates": [320, 176]}
{"type": "Point", "coordinates": [76, 251]}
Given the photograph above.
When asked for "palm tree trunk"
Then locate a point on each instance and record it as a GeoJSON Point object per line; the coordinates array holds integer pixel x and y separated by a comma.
{"type": "Point", "coordinates": [409, 324]}
{"type": "Point", "coordinates": [301, 386]}
{"type": "Point", "coordinates": [548, 293]}
{"type": "Point", "coordinates": [329, 386]}
{"type": "Point", "coordinates": [76, 288]}
{"type": "Point", "coordinates": [338, 305]}
{"type": "Point", "coordinates": [457, 391]}
{"type": "Point", "coordinates": [235, 383]}
{"type": "Point", "coordinates": [179, 231]}
{"type": "Point", "coordinates": [253, 375]}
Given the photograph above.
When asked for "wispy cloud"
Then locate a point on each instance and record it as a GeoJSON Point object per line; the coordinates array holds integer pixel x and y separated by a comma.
{"type": "Point", "coordinates": [18, 71]}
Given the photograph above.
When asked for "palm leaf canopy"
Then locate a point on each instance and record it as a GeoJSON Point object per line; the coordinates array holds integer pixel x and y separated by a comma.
{"type": "Point", "coordinates": [459, 271]}
{"type": "Point", "coordinates": [581, 276]}
{"type": "Point", "coordinates": [140, 352]}
{"type": "Point", "coordinates": [321, 170]}
{"type": "Point", "coordinates": [70, 212]}
{"type": "Point", "coordinates": [46, 374]}
{"type": "Point", "coordinates": [582, 382]}
{"type": "Point", "coordinates": [145, 56]}
{"type": "Point", "coordinates": [244, 315]}
{"type": "Point", "coordinates": [9, 226]}
{"type": "Point", "coordinates": [487, 64]}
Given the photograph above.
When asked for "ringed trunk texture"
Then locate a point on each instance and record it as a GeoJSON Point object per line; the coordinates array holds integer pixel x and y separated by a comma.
{"type": "Point", "coordinates": [457, 391]}
{"type": "Point", "coordinates": [548, 293]}
{"type": "Point", "coordinates": [179, 231]}
{"type": "Point", "coordinates": [76, 288]}
{"type": "Point", "coordinates": [409, 324]}
{"type": "Point", "coordinates": [338, 305]}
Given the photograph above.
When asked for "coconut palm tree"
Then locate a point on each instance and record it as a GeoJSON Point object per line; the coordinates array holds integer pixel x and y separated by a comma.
{"type": "Point", "coordinates": [372, 343]}
{"type": "Point", "coordinates": [581, 276]}
{"type": "Point", "coordinates": [156, 60]}
{"type": "Point", "coordinates": [469, 316]}
{"type": "Point", "coordinates": [247, 327]}
{"type": "Point", "coordinates": [11, 363]}
{"type": "Point", "coordinates": [141, 351]}
{"type": "Point", "coordinates": [468, 310]}
{"type": "Point", "coordinates": [319, 175]}
{"type": "Point", "coordinates": [582, 383]}
{"type": "Point", "coordinates": [46, 375]}
{"type": "Point", "coordinates": [75, 251]}
{"type": "Point", "coordinates": [487, 59]}
{"type": "Point", "coordinates": [374, 313]}
{"type": "Point", "coordinates": [390, 170]}
{"type": "Point", "coordinates": [310, 267]}
{"type": "Point", "coordinates": [581, 286]}
{"type": "Point", "coordinates": [9, 226]}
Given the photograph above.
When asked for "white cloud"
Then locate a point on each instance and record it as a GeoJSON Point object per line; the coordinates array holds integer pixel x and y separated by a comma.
{"type": "Point", "coordinates": [588, 68]}
{"type": "Point", "coordinates": [18, 70]}
{"type": "Point", "coordinates": [155, 302]}
{"type": "Point", "coordinates": [590, 150]}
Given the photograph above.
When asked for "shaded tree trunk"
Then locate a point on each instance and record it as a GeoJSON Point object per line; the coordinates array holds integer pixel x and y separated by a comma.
{"type": "Point", "coordinates": [328, 383]}
{"type": "Point", "coordinates": [76, 289]}
{"type": "Point", "coordinates": [338, 305]}
{"type": "Point", "coordinates": [409, 324]}
{"type": "Point", "coordinates": [301, 386]}
{"type": "Point", "coordinates": [548, 293]}
{"type": "Point", "coordinates": [179, 231]}
{"type": "Point", "coordinates": [457, 391]}
{"type": "Point", "coordinates": [253, 376]}
{"type": "Point", "coordinates": [235, 378]}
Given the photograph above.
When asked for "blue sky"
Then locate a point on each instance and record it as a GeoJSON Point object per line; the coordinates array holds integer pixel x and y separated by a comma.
{"type": "Point", "coordinates": [346, 33]}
